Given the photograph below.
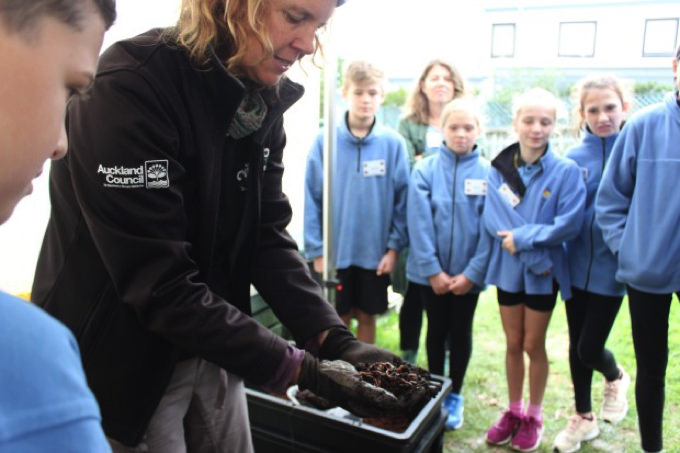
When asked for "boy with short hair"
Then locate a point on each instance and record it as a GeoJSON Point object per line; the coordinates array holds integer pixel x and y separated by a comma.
{"type": "Point", "coordinates": [370, 181]}
{"type": "Point", "coordinates": [45, 403]}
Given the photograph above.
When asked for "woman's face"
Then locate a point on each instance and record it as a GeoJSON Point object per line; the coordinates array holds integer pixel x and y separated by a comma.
{"type": "Point", "coordinates": [292, 27]}
{"type": "Point", "coordinates": [603, 111]}
{"type": "Point", "coordinates": [438, 85]}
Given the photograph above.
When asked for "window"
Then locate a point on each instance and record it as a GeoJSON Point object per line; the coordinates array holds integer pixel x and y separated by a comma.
{"type": "Point", "coordinates": [502, 40]}
{"type": "Point", "coordinates": [660, 37]}
{"type": "Point", "coordinates": [577, 39]}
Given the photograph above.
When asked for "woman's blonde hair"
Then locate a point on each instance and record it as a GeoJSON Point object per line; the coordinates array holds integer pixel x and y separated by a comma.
{"type": "Point", "coordinates": [225, 26]}
{"type": "Point", "coordinates": [417, 105]}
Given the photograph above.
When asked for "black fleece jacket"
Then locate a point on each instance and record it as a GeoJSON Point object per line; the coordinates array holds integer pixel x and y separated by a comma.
{"type": "Point", "coordinates": [160, 222]}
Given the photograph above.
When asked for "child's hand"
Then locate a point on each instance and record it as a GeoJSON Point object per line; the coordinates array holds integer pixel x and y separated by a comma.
{"type": "Point", "coordinates": [508, 241]}
{"type": "Point", "coordinates": [460, 284]}
{"type": "Point", "coordinates": [318, 264]}
{"type": "Point", "coordinates": [440, 283]}
{"type": "Point", "coordinates": [387, 263]}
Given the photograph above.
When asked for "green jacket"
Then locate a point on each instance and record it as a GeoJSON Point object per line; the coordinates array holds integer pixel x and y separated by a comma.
{"type": "Point", "coordinates": [414, 133]}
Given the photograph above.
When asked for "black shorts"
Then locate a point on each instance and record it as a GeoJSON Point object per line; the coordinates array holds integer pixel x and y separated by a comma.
{"type": "Point", "coordinates": [538, 302]}
{"type": "Point", "coordinates": [362, 289]}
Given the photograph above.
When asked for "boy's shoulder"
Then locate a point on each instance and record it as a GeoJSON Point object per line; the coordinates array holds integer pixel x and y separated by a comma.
{"type": "Point", "coordinates": [651, 113]}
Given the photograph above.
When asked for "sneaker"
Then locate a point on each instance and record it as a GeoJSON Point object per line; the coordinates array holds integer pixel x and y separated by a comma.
{"type": "Point", "coordinates": [615, 404]}
{"type": "Point", "coordinates": [578, 429]}
{"type": "Point", "coordinates": [504, 429]}
{"type": "Point", "coordinates": [529, 435]}
{"type": "Point", "coordinates": [453, 404]}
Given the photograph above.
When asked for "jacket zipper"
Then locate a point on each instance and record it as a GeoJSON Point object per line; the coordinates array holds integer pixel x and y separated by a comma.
{"type": "Point", "coordinates": [592, 221]}
{"type": "Point", "coordinates": [359, 155]}
{"type": "Point", "coordinates": [453, 207]}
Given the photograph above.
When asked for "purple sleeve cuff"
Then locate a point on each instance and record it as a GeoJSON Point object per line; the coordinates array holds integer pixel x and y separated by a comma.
{"type": "Point", "coordinates": [284, 374]}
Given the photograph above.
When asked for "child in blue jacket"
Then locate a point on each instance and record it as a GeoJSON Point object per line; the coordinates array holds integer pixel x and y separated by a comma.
{"type": "Point", "coordinates": [370, 183]}
{"type": "Point", "coordinates": [449, 247]}
{"type": "Point", "coordinates": [596, 295]}
{"type": "Point", "coordinates": [535, 203]}
{"type": "Point", "coordinates": [638, 209]}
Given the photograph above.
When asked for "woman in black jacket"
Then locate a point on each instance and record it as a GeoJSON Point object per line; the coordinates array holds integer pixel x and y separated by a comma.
{"type": "Point", "coordinates": [167, 208]}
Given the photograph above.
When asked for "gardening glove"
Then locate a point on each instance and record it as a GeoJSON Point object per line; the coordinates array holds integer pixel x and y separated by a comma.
{"type": "Point", "coordinates": [341, 344]}
{"type": "Point", "coordinates": [340, 383]}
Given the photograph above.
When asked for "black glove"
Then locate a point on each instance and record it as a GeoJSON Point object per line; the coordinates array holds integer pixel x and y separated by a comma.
{"type": "Point", "coordinates": [340, 383]}
{"type": "Point", "coordinates": [341, 344]}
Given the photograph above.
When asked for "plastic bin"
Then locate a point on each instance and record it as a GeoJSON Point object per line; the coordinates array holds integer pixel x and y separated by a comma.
{"type": "Point", "coordinates": [279, 425]}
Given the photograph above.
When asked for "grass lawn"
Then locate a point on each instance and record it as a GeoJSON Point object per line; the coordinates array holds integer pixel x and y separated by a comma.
{"type": "Point", "coordinates": [485, 389]}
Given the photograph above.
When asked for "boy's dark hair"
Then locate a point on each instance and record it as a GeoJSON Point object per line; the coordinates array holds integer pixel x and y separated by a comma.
{"type": "Point", "coordinates": [22, 15]}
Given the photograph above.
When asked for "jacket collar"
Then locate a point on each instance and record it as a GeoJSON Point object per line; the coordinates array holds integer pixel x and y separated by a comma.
{"type": "Point", "coordinates": [591, 139]}
{"type": "Point", "coordinates": [346, 134]}
{"type": "Point", "coordinates": [506, 164]}
{"type": "Point", "coordinates": [450, 156]}
{"type": "Point", "coordinates": [227, 91]}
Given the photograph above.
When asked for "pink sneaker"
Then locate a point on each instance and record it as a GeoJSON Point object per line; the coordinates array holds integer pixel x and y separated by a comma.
{"type": "Point", "coordinates": [529, 435]}
{"type": "Point", "coordinates": [504, 429]}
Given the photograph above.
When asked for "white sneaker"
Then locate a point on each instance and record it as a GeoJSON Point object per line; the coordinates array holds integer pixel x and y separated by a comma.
{"type": "Point", "coordinates": [578, 429]}
{"type": "Point", "coordinates": [615, 404]}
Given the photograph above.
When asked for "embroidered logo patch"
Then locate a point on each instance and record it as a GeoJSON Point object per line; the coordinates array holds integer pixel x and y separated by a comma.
{"type": "Point", "coordinates": [157, 174]}
{"type": "Point", "coordinates": [153, 174]}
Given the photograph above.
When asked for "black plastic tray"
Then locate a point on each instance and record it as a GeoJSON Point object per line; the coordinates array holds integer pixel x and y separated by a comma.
{"type": "Point", "coordinates": [279, 425]}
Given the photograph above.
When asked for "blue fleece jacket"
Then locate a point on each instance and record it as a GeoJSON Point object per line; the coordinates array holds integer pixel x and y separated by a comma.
{"type": "Point", "coordinates": [638, 203]}
{"type": "Point", "coordinates": [592, 265]}
{"type": "Point", "coordinates": [370, 184]}
{"type": "Point", "coordinates": [550, 211]}
{"type": "Point", "coordinates": [445, 203]}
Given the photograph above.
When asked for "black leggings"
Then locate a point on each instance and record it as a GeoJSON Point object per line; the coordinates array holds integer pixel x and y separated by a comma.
{"type": "Point", "coordinates": [410, 319]}
{"type": "Point", "coordinates": [649, 320]}
{"type": "Point", "coordinates": [590, 318]}
{"type": "Point", "coordinates": [449, 316]}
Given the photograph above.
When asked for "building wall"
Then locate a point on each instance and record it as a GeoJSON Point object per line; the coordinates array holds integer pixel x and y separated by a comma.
{"type": "Point", "coordinates": [620, 40]}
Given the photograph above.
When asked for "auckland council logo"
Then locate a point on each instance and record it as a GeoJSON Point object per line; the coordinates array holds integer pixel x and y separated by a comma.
{"type": "Point", "coordinates": [156, 174]}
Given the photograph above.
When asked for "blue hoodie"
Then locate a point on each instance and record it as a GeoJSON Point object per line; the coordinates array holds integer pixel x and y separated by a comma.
{"type": "Point", "coordinates": [550, 211]}
{"type": "Point", "coordinates": [370, 184]}
{"type": "Point", "coordinates": [592, 265]}
{"type": "Point", "coordinates": [445, 203]}
{"type": "Point", "coordinates": [638, 203]}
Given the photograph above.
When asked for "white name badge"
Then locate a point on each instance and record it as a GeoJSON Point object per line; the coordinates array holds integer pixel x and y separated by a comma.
{"type": "Point", "coordinates": [475, 187]}
{"type": "Point", "coordinates": [508, 194]}
{"type": "Point", "coordinates": [374, 167]}
{"type": "Point", "coordinates": [433, 139]}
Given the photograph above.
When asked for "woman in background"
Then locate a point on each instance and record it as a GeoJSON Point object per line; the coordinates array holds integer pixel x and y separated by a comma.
{"type": "Point", "coordinates": [438, 84]}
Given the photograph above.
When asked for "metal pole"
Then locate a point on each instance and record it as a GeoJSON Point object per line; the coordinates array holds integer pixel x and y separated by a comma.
{"type": "Point", "coordinates": [329, 145]}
